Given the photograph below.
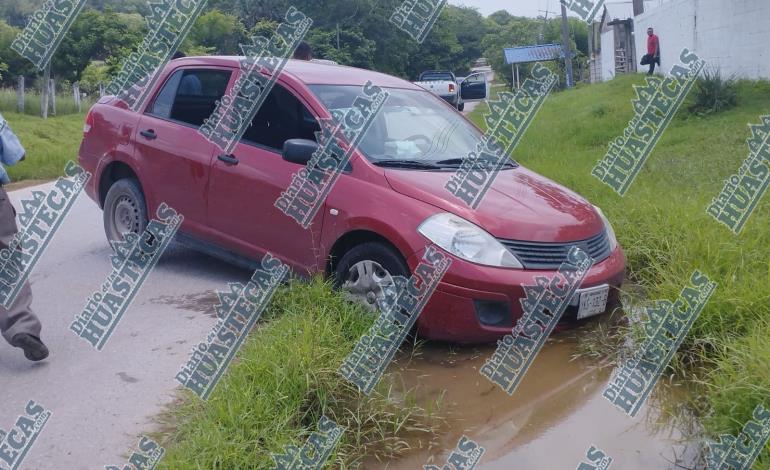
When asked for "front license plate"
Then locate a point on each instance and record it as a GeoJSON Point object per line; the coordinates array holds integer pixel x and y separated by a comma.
{"type": "Point", "coordinates": [593, 302]}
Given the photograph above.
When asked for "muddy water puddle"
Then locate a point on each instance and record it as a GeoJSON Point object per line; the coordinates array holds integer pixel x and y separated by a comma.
{"type": "Point", "coordinates": [551, 420]}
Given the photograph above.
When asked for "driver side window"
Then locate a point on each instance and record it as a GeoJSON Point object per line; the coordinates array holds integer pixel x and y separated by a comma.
{"type": "Point", "coordinates": [474, 79]}
{"type": "Point", "coordinates": [281, 117]}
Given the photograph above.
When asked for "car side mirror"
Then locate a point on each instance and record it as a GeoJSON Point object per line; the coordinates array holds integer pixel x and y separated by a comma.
{"type": "Point", "coordinates": [299, 151]}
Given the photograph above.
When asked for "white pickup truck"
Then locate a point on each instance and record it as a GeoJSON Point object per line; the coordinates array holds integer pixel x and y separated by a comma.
{"type": "Point", "coordinates": [455, 92]}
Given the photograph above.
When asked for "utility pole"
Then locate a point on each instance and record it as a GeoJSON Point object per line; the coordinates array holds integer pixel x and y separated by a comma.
{"type": "Point", "coordinates": [565, 44]}
{"type": "Point", "coordinates": [545, 21]}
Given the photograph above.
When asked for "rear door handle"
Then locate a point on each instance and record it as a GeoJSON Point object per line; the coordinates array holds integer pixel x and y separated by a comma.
{"type": "Point", "coordinates": [149, 134]}
{"type": "Point", "coordinates": [229, 159]}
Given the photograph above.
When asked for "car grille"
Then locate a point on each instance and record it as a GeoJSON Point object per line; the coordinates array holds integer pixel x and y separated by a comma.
{"type": "Point", "coordinates": [537, 255]}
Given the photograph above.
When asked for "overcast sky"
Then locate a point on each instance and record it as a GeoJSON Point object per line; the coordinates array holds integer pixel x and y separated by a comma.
{"type": "Point", "coordinates": [515, 7]}
{"type": "Point", "coordinates": [530, 7]}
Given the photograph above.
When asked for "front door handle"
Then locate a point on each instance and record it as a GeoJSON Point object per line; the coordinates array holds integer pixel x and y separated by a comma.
{"type": "Point", "coordinates": [229, 159]}
{"type": "Point", "coordinates": [149, 134]}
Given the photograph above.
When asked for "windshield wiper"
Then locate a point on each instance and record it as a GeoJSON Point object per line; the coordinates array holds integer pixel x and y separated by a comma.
{"type": "Point", "coordinates": [451, 161]}
{"type": "Point", "coordinates": [459, 161]}
{"type": "Point", "coordinates": [406, 164]}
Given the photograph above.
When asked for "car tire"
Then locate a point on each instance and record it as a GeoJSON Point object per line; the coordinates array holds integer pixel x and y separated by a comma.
{"type": "Point", "coordinates": [461, 107]}
{"type": "Point", "coordinates": [125, 210]}
{"type": "Point", "coordinates": [377, 261]}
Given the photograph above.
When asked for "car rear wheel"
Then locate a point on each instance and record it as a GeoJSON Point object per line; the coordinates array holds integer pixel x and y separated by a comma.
{"type": "Point", "coordinates": [125, 210]}
{"type": "Point", "coordinates": [461, 107]}
{"type": "Point", "coordinates": [365, 273]}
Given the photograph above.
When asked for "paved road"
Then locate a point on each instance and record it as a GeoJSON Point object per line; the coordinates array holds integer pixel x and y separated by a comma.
{"type": "Point", "coordinates": [103, 401]}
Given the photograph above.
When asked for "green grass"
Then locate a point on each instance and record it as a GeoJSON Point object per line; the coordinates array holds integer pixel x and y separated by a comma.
{"type": "Point", "coordinates": [663, 226]}
{"type": "Point", "coordinates": [284, 379]}
{"type": "Point", "coordinates": [49, 143]}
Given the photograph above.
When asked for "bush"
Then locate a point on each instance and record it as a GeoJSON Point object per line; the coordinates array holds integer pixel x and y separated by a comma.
{"type": "Point", "coordinates": [94, 73]}
{"type": "Point", "coordinates": [713, 93]}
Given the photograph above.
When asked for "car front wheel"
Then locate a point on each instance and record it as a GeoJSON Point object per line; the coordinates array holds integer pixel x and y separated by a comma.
{"type": "Point", "coordinates": [125, 210]}
{"type": "Point", "coordinates": [366, 272]}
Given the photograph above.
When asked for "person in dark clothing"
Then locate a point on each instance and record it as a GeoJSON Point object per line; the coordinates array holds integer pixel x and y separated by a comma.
{"type": "Point", "coordinates": [18, 323]}
{"type": "Point", "coordinates": [303, 52]}
{"type": "Point", "coordinates": [653, 50]}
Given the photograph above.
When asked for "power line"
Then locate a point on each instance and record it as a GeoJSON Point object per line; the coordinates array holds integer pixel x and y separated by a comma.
{"type": "Point", "coordinates": [541, 36]}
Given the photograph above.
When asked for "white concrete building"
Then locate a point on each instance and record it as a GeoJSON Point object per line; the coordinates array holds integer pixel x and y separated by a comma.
{"type": "Point", "coordinates": [733, 35]}
{"type": "Point", "coordinates": [616, 54]}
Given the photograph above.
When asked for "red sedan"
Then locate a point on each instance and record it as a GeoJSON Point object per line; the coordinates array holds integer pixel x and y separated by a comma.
{"type": "Point", "coordinates": [385, 208]}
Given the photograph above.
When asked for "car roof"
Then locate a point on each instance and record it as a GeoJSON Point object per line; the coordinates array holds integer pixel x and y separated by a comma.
{"type": "Point", "coordinates": [312, 73]}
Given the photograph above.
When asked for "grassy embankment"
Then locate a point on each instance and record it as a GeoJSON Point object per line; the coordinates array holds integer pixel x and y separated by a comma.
{"type": "Point", "coordinates": [284, 379]}
{"type": "Point", "coordinates": [664, 228]}
{"type": "Point", "coordinates": [49, 143]}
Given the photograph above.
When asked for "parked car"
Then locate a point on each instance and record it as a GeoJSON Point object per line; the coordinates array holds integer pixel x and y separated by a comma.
{"type": "Point", "coordinates": [453, 90]}
{"type": "Point", "coordinates": [372, 225]}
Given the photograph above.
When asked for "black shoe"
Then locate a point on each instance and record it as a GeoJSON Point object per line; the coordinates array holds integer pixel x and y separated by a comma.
{"type": "Point", "coordinates": [34, 349]}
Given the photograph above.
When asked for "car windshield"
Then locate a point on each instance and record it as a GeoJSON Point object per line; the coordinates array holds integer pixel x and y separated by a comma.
{"type": "Point", "coordinates": [414, 126]}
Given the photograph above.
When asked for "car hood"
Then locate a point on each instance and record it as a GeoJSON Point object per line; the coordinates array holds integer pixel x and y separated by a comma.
{"type": "Point", "coordinates": [520, 205]}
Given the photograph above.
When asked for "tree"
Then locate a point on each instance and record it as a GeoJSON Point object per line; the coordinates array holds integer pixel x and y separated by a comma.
{"type": "Point", "coordinates": [514, 32]}
{"type": "Point", "coordinates": [96, 36]}
{"type": "Point", "coordinates": [18, 11]}
{"type": "Point", "coordinates": [95, 73]}
{"type": "Point", "coordinates": [352, 32]}
{"type": "Point", "coordinates": [505, 30]}
{"type": "Point", "coordinates": [15, 64]}
{"type": "Point", "coordinates": [501, 17]}
{"type": "Point", "coordinates": [354, 48]}
{"type": "Point", "coordinates": [470, 29]}
{"type": "Point", "coordinates": [440, 51]}
{"type": "Point", "coordinates": [217, 32]}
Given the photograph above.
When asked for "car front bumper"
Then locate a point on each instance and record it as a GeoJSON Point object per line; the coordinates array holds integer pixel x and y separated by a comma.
{"type": "Point", "coordinates": [459, 310]}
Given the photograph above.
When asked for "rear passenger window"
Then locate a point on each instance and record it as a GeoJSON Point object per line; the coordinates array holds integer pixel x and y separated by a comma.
{"type": "Point", "coordinates": [190, 95]}
{"type": "Point", "coordinates": [280, 118]}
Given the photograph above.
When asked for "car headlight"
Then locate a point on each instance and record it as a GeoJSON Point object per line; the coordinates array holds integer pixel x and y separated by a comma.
{"type": "Point", "coordinates": [467, 241]}
{"type": "Point", "coordinates": [610, 230]}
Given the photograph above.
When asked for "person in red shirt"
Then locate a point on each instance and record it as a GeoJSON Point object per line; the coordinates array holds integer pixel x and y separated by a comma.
{"type": "Point", "coordinates": [653, 50]}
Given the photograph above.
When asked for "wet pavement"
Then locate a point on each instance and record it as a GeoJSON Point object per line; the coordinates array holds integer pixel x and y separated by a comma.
{"type": "Point", "coordinates": [551, 420]}
{"type": "Point", "coordinates": [103, 401]}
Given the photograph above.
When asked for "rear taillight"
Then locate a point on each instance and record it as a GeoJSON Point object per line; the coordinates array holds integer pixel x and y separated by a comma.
{"type": "Point", "coordinates": [89, 122]}
{"type": "Point", "coordinates": [451, 88]}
